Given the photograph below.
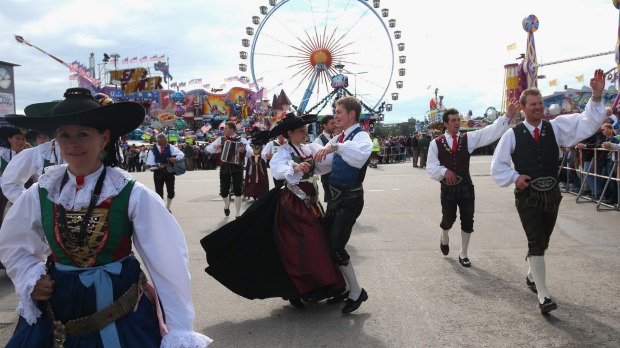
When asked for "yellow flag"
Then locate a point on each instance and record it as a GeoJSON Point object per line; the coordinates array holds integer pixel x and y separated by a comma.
{"type": "Point", "coordinates": [553, 82]}
{"type": "Point", "coordinates": [579, 78]}
{"type": "Point", "coordinates": [512, 46]}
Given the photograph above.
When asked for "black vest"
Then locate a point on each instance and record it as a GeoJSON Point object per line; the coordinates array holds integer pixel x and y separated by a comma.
{"type": "Point", "coordinates": [535, 159]}
{"type": "Point", "coordinates": [457, 162]}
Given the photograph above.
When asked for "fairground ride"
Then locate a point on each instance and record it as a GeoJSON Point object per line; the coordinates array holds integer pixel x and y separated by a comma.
{"type": "Point", "coordinates": [318, 51]}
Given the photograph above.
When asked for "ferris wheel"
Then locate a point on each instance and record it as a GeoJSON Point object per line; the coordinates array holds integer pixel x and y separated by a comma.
{"type": "Point", "coordinates": [318, 50]}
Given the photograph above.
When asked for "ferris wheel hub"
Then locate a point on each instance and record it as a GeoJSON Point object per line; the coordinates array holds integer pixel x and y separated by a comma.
{"type": "Point", "coordinates": [321, 55]}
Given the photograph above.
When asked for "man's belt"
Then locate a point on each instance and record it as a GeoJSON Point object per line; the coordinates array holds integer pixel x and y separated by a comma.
{"type": "Point", "coordinates": [353, 192]}
{"type": "Point", "coordinates": [544, 183]}
{"type": "Point", "coordinates": [98, 320]}
{"type": "Point", "coordinates": [458, 180]}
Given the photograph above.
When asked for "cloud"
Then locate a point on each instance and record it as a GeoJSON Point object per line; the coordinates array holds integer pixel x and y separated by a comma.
{"type": "Point", "coordinates": [458, 47]}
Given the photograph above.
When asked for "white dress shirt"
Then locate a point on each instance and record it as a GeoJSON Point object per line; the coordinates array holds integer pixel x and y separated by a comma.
{"type": "Point", "coordinates": [354, 152]}
{"type": "Point", "coordinates": [475, 139]}
{"type": "Point", "coordinates": [271, 148]}
{"type": "Point", "coordinates": [568, 131]}
{"type": "Point", "coordinates": [174, 151]}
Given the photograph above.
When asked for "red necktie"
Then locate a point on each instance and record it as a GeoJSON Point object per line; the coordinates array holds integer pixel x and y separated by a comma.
{"type": "Point", "coordinates": [454, 142]}
{"type": "Point", "coordinates": [79, 182]}
{"type": "Point", "coordinates": [536, 134]}
{"type": "Point", "coordinates": [341, 138]}
{"type": "Point", "coordinates": [331, 136]}
{"type": "Point", "coordinates": [162, 150]}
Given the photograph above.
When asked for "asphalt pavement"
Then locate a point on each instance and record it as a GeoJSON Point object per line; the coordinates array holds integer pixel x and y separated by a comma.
{"type": "Point", "coordinates": [417, 296]}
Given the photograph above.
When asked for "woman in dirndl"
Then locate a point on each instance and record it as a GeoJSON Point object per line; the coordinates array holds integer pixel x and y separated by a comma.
{"type": "Point", "coordinates": [88, 215]}
{"type": "Point", "coordinates": [278, 247]}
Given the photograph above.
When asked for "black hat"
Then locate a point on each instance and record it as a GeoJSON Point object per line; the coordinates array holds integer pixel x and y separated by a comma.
{"type": "Point", "coordinates": [290, 122]}
{"type": "Point", "coordinates": [80, 108]}
{"type": "Point", "coordinates": [7, 132]}
{"type": "Point", "coordinates": [260, 138]}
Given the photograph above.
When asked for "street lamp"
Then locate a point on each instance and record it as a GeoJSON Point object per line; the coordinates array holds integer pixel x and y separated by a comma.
{"type": "Point", "coordinates": [355, 78]}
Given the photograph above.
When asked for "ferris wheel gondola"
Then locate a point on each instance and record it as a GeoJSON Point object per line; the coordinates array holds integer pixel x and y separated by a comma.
{"type": "Point", "coordinates": [301, 47]}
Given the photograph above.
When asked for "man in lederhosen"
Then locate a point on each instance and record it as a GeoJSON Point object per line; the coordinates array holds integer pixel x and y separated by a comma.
{"type": "Point", "coordinates": [351, 151]}
{"type": "Point", "coordinates": [448, 163]}
{"type": "Point", "coordinates": [232, 170]}
{"type": "Point", "coordinates": [329, 127]}
{"type": "Point", "coordinates": [533, 147]}
{"type": "Point", "coordinates": [158, 158]}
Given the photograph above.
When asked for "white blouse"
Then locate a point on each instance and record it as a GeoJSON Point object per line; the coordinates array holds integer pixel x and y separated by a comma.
{"type": "Point", "coordinates": [282, 164]}
{"type": "Point", "coordinates": [28, 163]}
{"type": "Point", "coordinates": [157, 237]}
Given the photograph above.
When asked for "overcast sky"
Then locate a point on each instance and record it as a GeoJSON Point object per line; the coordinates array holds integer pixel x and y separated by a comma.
{"type": "Point", "coordinates": [458, 47]}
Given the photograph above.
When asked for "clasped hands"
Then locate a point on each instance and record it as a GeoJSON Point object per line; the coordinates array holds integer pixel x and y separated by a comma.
{"type": "Point", "coordinates": [322, 153]}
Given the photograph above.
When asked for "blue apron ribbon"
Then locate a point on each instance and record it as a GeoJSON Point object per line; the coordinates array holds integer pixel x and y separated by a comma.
{"type": "Point", "coordinates": [103, 291]}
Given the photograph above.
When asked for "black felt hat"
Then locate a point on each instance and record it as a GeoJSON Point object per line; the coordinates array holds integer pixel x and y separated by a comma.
{"type": "Point", "coordinates": [290, 122]}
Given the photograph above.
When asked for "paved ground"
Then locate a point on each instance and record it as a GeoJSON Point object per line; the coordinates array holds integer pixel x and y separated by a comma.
{"type": "Point", "coordinates": [418, 297]}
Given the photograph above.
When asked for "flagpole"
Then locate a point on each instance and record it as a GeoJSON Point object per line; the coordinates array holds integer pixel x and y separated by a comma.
{"type": "Point", "coordinates": [168, 64]}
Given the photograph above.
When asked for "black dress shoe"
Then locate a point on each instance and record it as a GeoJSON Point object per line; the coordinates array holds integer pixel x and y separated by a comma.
{"type": "Point", "coordinates": [297, 303]}
{"type": "Point", "coordinates": [226, 211]}
{"type": "Point", "coordinates": [547, 306]}
{"type": "Point", "coordinates": [464, 262]}
{"type": "Point", "coordinates": [338, 298]}
{"type": "Point", "coordinates": [445, 249]}
{"type": "Point", "coordinates": [531, 285]}
{"type": "Point", "coordinates": [351, 305]}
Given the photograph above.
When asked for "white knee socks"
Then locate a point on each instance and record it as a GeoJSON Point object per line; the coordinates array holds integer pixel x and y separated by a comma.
{"type": "Point", "coordinates": [168, 202]}
{"type": "Point", "coordinates": [444, 237]}
{"type": "Point", "coordinates": [238, 205]}
{"type": "Point", "coordinates": [537, 267]}
{"type": "Point", "coordinates": [348, 272]}
{"type": "Point", "coordinates": [226, 202]}
{"type": "Point", "coordinates": [465, 243]}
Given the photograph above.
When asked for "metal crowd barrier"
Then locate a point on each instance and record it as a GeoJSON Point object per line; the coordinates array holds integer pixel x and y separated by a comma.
{"type": "Point", "coordinates": [394, 154]}
{"type": "Point", "coordinates": [592, 171]}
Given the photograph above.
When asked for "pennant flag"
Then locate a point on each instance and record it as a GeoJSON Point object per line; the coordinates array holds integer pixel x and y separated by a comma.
{"type": "Point", "coordinates": [512, 46]}
{"type": "Point", "coordinates": [579, 78]}
{"type": "Point", "coordinates": [198, 81]}
{"type": "Point", "coordinates": [134, 60]}
{"type": "Point", "coordinates": [153, 58]}
{"type": "Point", "coordinates": [144, 59]}
{"type": "Point", "coordinates": [207, 86]}
{"type": "Point", "coordinates": [125, 61]}
{"type": "Point", "coordinates": [191, 82]}
{"type": "Point", "coordinates": [553, 82]}
{"type": "Point", "coordinates": [162, 58]}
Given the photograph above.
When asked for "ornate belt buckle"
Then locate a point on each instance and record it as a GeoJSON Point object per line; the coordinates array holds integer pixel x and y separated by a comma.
{"type": "Point", "coordinates": [544, 183]}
